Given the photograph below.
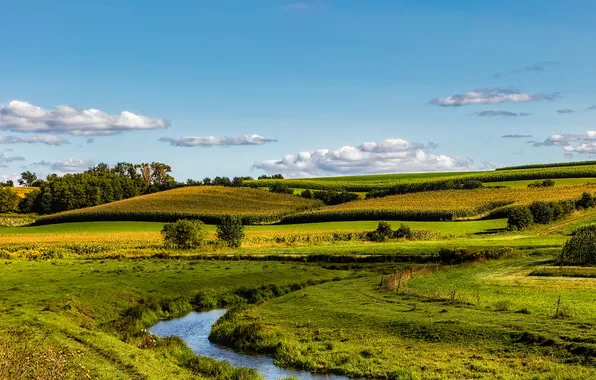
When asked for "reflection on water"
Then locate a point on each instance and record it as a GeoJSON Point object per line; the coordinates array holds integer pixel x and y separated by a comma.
{"type": "Point", "coordinates": [194, 329]}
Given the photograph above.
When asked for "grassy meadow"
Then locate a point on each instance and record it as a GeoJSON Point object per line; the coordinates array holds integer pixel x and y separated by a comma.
{"type": "Point", "coordinates": [487, 320]}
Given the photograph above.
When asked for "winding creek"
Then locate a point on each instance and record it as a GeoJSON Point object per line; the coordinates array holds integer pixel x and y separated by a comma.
{"type": "Point", "coordinates": [194, 330]}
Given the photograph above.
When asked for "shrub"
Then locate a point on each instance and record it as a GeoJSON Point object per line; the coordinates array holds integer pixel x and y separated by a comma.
{"type": "Point", "coordinates": [307, 194]}
{"type": "Point", "coordinates": [542, 212]}
{"type": "Point", "coordinates": [582, 246]}
{"type": "Point", "coordinates": [230, 231]}
{"type": "Point", "coordinates": [469, 185]}
{"type": "Point", "coordinates": [520, 218]}
{"type": "Point", "coordinates": [281, 188]}
{"type": "Point", "coordinates": [403, 232]}
{"type": "Point", "coordinates": [586, 201]}
{"type": "Point", "coordinates": [9, 200]}
{"type": "Point", "coordinates": [334, 197]}
{"type": "Point", "coordinates": [543, 183]}
{"type": "Point", "coordinates": [184, 234]}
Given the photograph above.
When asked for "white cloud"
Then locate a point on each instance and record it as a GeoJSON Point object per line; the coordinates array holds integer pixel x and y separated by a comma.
{"type": "Point", "coordinates": [490, 96]}
{"type": "Point", "coordinates": [19, 116]}
{"type": "Point", "coordinates": [572, 143]}
{"type": "Point", "coordinates": [389, 156]}
{"type": "Point", "coordinates": [41, 139]}
{"type": "Point", "coordinates": [9, 159]}
{"type": "Point", "coordinates": [208, 141]}
{"type": "Point", "coordinates": [72, 165]}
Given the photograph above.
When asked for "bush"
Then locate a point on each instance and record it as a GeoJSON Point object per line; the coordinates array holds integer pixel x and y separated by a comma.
{"type": "Point", "coordinates": [184, 234]}
{"type": "Point", "coordinates": [586, 201]}
{"type": "Point", "coordinates": [520, 218]}
{"type": "Point", "coordinates": [542, 212]}
{"type": "Point", "coordinates": [9, 200]}
{"type": "Point", "coordinates": [403, 232]}
{"type": "Point", "coordinates": [335, 198]}
{"type": "Point", "coordinates": [307, 194]}
{"type": "Point", "coordinates": [543, 183]}
{"type": "Point", "coordinates": [582, 246]}
{"type": "Point", "coordinates": [280, 188]}
{"type": "Point", "coordinates": [230, 231]}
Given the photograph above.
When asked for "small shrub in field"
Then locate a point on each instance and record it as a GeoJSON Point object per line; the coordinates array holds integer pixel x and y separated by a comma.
{"type": "Point", "coordinates": [586, 201]}
{"type": "Point", "coordinates": [403, 232]}
{"type": "Point", "coordinates": [520, 218]}
{"type": "Point", "coordinates": [230, 231]}
{"type": "Point", "coordinates": [542, 212]}
{"type": "Point", "coordinates": [543, 183]}
{"type": "Point", "coordinates": [281, 188]}
{"type": "Point", "coordinates": [184, 234]}
{"type": "Point", "coordinates": [582, 246]}
{"type": "Point", "coordinates": [383, 232]}
{"type": "Point", "coordinates": [307, 194]}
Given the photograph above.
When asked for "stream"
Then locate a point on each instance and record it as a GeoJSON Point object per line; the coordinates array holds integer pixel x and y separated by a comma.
{"type": "Point", "coordinates": [194, 329]}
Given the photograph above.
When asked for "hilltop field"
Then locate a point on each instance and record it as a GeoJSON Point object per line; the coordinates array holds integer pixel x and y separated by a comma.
{"type": "Point", "coordinates": [460, 294]}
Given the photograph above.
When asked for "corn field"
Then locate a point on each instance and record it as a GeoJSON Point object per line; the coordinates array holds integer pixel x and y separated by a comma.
{"type": "Point", "coordinates": [439, 205]}
{"type": "Point", "coordinates": [207, 203]}
{"type": "Point", "coordinates": [424, 182]}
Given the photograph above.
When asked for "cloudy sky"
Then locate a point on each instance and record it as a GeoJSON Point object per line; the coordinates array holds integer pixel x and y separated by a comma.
{"type": "Point", "coordinates": [303, 88]}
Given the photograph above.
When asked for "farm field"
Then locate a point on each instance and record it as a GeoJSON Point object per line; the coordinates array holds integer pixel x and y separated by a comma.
{"type": "Point", "coordinates": [206, 202]}
{"type": "Point", "coordinates": [134, 233]}
{"type": "Point", "coordinates": [315, 296]}
{"type": "Point", "coordinates": [439, 205]}
{"type": "Point", "coordinates": [21, 191]}
{"type": "Point", "coordinates": [376, 182]}
{"type": "Point", "coordinates": [558, 182]}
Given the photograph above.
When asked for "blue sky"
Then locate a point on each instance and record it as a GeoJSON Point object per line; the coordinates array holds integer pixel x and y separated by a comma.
{"type": "Point", "coordinates": [304, 88]}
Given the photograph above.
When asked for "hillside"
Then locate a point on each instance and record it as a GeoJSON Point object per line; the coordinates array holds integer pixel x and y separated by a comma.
{"type": "Point", "coordinates": [430, 181]}
{"type": "Point", "coordinates": [207, 203]}
{"type": "Point", "coordinates": [438, 205]}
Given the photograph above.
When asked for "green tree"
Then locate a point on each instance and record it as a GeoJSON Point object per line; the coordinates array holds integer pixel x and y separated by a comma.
{"type": "Point", "coordinates": [307, 194]}
{"type": "Point", "coordinates": [542, 212]}
{"type": "Point", "coordinates": [280, 188]}
{"type": "Point", "coordinates": [230, 231]}
{"type": "Point", "coordinates": [27, 178]}
{"type": "Point", "coordinates": [520, 218]}
{"type": "Point", "coordinates": [9, 200]}
{"type": "Point", "coordinates": [586, 201]}
{"type": "Point", "coordinates": [184, 234]}
{"type": "Point", "coordinates": [582, 246]}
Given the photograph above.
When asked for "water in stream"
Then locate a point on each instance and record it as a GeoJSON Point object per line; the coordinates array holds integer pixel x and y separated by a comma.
{"type": "Point", "coordinates": [194, 330]}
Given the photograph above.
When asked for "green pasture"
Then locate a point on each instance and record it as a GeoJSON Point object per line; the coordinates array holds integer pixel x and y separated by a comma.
{"type": "Point", "coordinates": [446, 228]}
{"type": "Point", "coordinates": [487, 320]}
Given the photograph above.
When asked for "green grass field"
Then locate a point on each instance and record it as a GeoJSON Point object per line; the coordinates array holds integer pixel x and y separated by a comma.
{"type": "Point", "coordinates": [72, 307]}
{"type": "Point", "coordinates": [487, 320]}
